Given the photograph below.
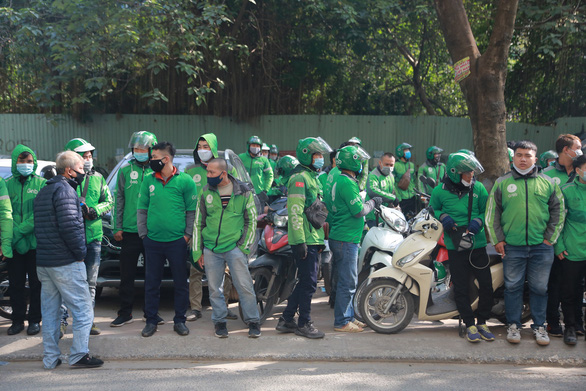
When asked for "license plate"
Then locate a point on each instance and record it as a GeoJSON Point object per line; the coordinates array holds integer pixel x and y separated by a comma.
{"type": "Point", "coordinates": [141, 261]}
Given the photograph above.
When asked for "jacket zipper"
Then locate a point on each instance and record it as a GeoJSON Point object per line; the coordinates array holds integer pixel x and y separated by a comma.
{"type": "Point", "coordinates": [526, 213]}
{"type": "Point", "coordinates": [21, 201]}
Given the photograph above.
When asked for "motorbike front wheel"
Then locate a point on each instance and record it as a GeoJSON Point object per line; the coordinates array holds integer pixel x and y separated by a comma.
{"type": "Point", "coordinates": [261, 278]}
{"type": "Point", "coordinates": [374, 298]}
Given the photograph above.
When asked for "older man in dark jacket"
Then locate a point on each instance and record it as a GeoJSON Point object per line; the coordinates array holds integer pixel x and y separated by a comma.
{"type": "Point", "coordinates": [61, 250]}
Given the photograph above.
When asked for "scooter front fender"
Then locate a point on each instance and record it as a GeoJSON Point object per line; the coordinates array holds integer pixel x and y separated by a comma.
{"type": "Point", "coordinates": [397, 275]}
{"type": "Point", "coordinates": [268, 260]}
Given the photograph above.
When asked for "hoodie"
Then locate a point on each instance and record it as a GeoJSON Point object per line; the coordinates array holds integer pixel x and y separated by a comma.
{"type": "Point", "coordinates": [198, 172]}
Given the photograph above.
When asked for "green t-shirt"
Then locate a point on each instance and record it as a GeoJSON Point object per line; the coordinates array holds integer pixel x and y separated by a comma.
{"type": "Point", "coordinates": [346, 203]}
{"type": "Point", "coordinates": [401, 168]}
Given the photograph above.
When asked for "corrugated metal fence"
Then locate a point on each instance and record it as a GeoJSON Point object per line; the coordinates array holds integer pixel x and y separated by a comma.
{"type": "Point", "coordinates": [110, 133]}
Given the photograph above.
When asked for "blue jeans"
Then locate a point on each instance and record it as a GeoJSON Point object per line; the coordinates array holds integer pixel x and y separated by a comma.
{"type": "Point", "coordinates": [215, 266]}
{"type": "Point", "coordinates": [157, 253]}
{"type": "Point", "coordinates": [66, 284]}
{"type": "Point", "coordinates": [535, 261]}
{"type": "Point", "coordinates": [346, 256]}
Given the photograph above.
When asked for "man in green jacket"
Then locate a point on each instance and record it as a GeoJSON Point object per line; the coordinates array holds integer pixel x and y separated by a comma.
{"type": "Point", "coordinates": [459, 202]}
{"type": "Point", "coordinates": [258, 167]}
{"type": "Point", "coordinates": [96, 200]}
{"type": "Point", "coordinates": [405, 180]}
{"type": "Point", "coordinates": [5, 222]}
{"type": "Point", "coordinates": [381, 183]}
{"type": "Point", "coordinates": [432, 171]}
{"type": "Point", "coordinates": [524, 217]}
{"type": "Point", "coordinates": [128, 183]}
{"type": "Point", "coordinates": [571, 252]}
{"type": "Point", "coordinates": [568, 148]}
{"type": "Point", "coordinates": [23, 186]}
{"type": "Point", "coordinates": [223, 233]}
{"type": "Point", "coordinates": [306, 241]}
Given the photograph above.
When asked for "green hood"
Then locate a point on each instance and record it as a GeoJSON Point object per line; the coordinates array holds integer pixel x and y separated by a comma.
{"type": "Point", "coordinates": [17, 151]}
{"type": "Point", "coordinates": [212, 140]}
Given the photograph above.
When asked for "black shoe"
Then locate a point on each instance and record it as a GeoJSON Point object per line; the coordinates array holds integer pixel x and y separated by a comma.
{"type": "Point", "coordinates": [88, 362]}
{"type": "Point", "coordinates": [121, 320]}
{"type": "Point", "coordinates": [570, 336]}
{"type": "Point", "coordinates": [286, 326]}
{"type": "Point", "coordinates": [579, 330]}
{"type": "Point", "coordinates": [308, 331]}
{"type": "Point", "coordinates": [149, 330]}
{"type": "Point", "coordinates": [158, 319]}
{"type": "Point", "coordinates": [193, 315]}
{"type": "Point", "coordinates": [555, 330]}
{"type": "Point", "coordinates": [95, 330]}
{"type": "Point", "coordinates": [253, 330]}
{"type": "Point", "coordinates": [181, 329]}
{"type": "Point", "coordinates": [231, 315]}
{"type": "Point", "coordinates": [15, 328]}
{"type": "Point", "coordinates": [33, 328]}
{"type": "Point", "coordinates": [221, 330]}
{"type": "Point", "coordinates": [59, 362]}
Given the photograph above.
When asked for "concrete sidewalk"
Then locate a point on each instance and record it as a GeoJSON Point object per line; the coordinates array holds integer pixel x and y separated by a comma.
{"type": "Point", "coordinates": [421, 341]}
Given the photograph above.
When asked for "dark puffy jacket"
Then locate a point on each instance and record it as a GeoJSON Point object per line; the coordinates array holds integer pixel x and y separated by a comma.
{"type": "Point", "coordinates": [59, 224]}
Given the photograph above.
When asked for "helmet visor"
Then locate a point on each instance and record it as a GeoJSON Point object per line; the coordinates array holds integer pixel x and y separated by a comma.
{"type": "Point", "coordinates": [468, 163]}
{"type": "Point", "coordinates": [142, 140]}
{"type": "Point", "coordinates": [362, 154]}
{"type": "Point", "coordinates": [319, 145]}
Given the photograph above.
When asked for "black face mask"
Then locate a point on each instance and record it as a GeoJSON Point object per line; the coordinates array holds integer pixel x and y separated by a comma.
{"type": "Point", "coordinates": [157, 165]}
{"type": "Point", "coordinates": [79, 178]}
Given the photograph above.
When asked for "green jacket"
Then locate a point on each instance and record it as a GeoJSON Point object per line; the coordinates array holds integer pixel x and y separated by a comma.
{"type": "Point", "coordinates": [260, 171]}
{"type": "Point", "coordinates": [346, 204]}
{"type": "Point", "coordinates": [302, 191]}
{"type": "Point", "coordinates": [400, 169]}
{"type": "Point", "coordinates": [222, 229]}
{"type": "Point", "coordinates": [5, 220]}
{"type": "Point", "coordinates": [448, 198]}
{"type": "Point", "coordinates": [559, 174]}
{"type": "Point", "coordinates": [99, 198]}
{"type": "Point", "coordinates": [22, 192]}
{"type": "Point", "coordinates": [382, 186]}
{"type": "Point", "coordinates": [435, 172]}
{"type": "Point", "coordinates": [523, 210]}
{"type": "Point", "coordinates": [574, 232]}
{"type": "Point", "coordinates": [327, 189]}
{"type": "Point", "coordinates": [128, 185]}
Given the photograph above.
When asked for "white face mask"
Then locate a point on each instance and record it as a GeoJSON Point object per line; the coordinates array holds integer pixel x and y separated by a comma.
{"type": "Point", "coordinates": [582, 175]}
{"type": "Point", "coordinates": [467, 184]}
{"type": "Point", "coordinates": [526, 171]}
{"type": "Point", "coordinates": [204, 154]}
{"type": "Point", "coordinates": [254, 150]}
{"type": "Point", "coordinates": [578, 153]}
{"type": "Point", "coordinates": [88, 164]}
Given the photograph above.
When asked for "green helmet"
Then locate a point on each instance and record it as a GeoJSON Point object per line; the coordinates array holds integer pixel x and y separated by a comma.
{"type": "Point", "coordinates": [79, 145]}
{"type": "Point", "coordinates": [254, 140]}
{"type": "Point", "coordinates": [274, 149]}
{"type": "Point", "coordinates": [511, 154]}
{"type": "Point", "coordinates": [142, 139]}
{"type": "Point", "coordinates": [285, 165]}
{"type": "Point", "coordinates": [351, 158]}
{"type": "Point", "coordinates": [265, 147]}
{"type": "Point", "coordinates": [545, 156]}
{"type": "Point", "coordinates": [355, 140]}
{"type": "Point", "coordinates": [308, 146]}
{"type": "Point", "coordinates": [440, 270]}
{"type": "Point", "coordinates": [431, 151]}
{"type": "Point", "coordinates": [401, 149]}
{"type": "Point", "coordinates": [459, 163]}
{"type": "Point", "coordinates": [466, 151]}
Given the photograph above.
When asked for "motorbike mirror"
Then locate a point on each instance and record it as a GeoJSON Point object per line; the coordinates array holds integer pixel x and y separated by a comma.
{"type": "Point", "coordinates": [427, 181]}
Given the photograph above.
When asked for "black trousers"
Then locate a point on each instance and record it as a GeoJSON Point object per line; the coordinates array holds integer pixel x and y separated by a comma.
{"type": "Point", "coordinates": [557, 281]}
{"type": "Point", "coordinates": [18, 268]}
{"type": "Point", "coordinates": [461, 270]}
{"type": "Point", "coordinates": [132, 247]}
{"type": "Point", "coordinates": [572, 291]}
{"type": "Point", "coordinates": [300, 298]}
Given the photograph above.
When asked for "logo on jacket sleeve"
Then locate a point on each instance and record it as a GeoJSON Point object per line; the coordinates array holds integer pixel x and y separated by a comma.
{"type": "Point", "coordinates": [152, 189]}
{"type": "Point", "coordinates": [299, 184]}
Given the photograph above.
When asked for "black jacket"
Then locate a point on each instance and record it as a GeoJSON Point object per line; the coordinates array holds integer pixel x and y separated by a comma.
{"type": "Point", "coordinates": [59, 224]}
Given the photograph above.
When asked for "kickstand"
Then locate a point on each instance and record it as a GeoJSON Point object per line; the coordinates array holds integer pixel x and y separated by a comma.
{"type": "Point", "coordinates": [461, 328]}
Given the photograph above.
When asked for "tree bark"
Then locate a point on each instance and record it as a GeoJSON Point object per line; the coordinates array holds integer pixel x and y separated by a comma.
{"type": "Point", "coordinates": [484, 88]}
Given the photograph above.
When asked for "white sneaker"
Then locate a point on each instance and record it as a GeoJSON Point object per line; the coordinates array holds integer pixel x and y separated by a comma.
{"type": "Point", "coordinates": [541, 336]}
{"type": "Point", "coordinates": [513, 334]}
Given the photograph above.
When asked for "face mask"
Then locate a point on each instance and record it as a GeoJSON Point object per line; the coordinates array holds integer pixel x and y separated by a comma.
{"type": "Point", "coordinates": [274, 157]}
{"type": "Point", "coordinates": [79, 178]}
{"type": "Point", "coordinates": [582, 176]}
{"type": "Point", "coordinates": [467, 184]}
{"type": "Point", "coordinates": [204, 155]}
{"type": "Point", "coordinates": [385, 170]}
{"type": "Point", "coordinates": [524, 172]}
{"type": "Point", "coordinates": [437, 159]}
{"type": "Point", "coordinates": [157, 165]}
{"type": "Point", "coordinates": [408, 155]}
{"type": "Point", "coordinates": [578, 153]}
{"type": "Point", "coordinates": [254, 150]}
{"type": "Point", "coordinates": [215, 181]}
{"type": "Point", "coordinates": [141, 156]}
{"type": "Point", "coordinates": [25, 169]}
{"type": "Point", "coordinates": [318, 163]}
{"type": "Point", "coordinates": [552, 163]}
{"type": "Point", "coordinates": [88, 164]}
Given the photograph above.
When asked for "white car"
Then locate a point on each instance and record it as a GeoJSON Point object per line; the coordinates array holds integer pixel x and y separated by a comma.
{"type": "Point", "coordinates": [6, 167]}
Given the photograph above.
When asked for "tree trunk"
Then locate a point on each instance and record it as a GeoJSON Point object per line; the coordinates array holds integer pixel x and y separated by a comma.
{"type": "Point", "coordinates": [484, 88]}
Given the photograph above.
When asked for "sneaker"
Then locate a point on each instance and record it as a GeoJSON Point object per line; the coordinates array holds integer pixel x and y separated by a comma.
{"type": "Point", "coordinates": [286, 326]}
{"type": "Point", "coordinates": [181, 329]}
{"type": "Point", "coordinates": [485, 333]}
{"type": "Point", "coordinates": [231, 315]}
{"type": "Point", "coordinates": [33, 328]}
{"type": "Point", "coordinates": [159, 319]}
{"type": "Point", "coordinates": [472, 334]}
{"type": "Point", "coordinates": [349, 328]}
{"type": "Point", "coordinates": [359, 323]}
{"type": "Point", "coordinates": [570, 336]}
{"type": "Point", "coordinates": [579, 330]}
{"type": "Point", "coordinates": [95, 330]}
{"type": "Point", "coordinates": [513, 334]}
{"type": "Point", "coordinates": [88, 362]}
{"type": "Point", "coordinates": [541, 336]}
{"type": "Point", "coordinates": [193, 315]}
{"type": "Point", "coordinates": [253, 330]}
{"type": "Point", "coordinates": [221, 330]}
{"type": "Point", "coordinates": [62, 330]}
{"type": "Point", "coordinates": [309, 331]}
{"type": "Point", "coordinates": [121, 320]}
{"type": "Point", "coordinates": [15, 328]}
{"type": "Point", "coordinates": [555, 330]}
{"type": "Point", "coordinates": [149, 330]}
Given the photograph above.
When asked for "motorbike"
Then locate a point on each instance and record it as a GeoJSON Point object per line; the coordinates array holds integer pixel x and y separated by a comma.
{"type": "Point", "coordinates": [5, 307]}
{"type": "Point", "coordinates": [403, 286]}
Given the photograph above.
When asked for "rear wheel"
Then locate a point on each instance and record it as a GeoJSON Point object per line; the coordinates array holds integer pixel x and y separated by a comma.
{"type": "Point", "coordinates": [261, 278]}
{"type": "Point", "coordinates": [375, 297]}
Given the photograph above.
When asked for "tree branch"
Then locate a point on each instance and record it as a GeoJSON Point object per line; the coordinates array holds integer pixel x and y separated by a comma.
{"type": "Point", "coordinates": [502, 31]}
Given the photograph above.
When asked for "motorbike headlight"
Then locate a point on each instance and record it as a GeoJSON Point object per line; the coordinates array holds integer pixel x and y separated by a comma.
{"type": "Point", "coordinates": [408, 258]}
{"type": "Point", "coordinates": [280, 221]}
{"type": "Point", "coordinates": [394, 219]}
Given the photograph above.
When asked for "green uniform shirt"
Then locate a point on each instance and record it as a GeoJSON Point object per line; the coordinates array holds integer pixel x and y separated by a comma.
{"type": "Point", "coordinates": [382, 186]}
{"type": "Point", "coordinates": [435, 172]}
{"type": "Point", "coordinates": [302, 191]}
{"type": "Point", "coordinates": [574, 232]}
{"type": "Point", "coordinates": [5, 220]}
{"type": "Point", "coordinates": [130, 178]}
{"type": "Point", "coordinates": [260, 171]}
{"type": "Point", "coordinates": [99, 198]}
{"type": "Point", "coordinates": [346, 203]}
{"type": "Point", "coordinates": [166, 205]}
{"type": "Point", "coordinates": [199, 174]}
{"type": "Point", "coordinates": [559, 174]}
{"type": "Point", "coordinates": [400, 169]}
{"type": "Point", "coordinates": [327, 189]}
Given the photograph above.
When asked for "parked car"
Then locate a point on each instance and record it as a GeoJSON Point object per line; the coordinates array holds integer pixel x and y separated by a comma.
{"type": "Point", "coordinates": [109, 273]}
